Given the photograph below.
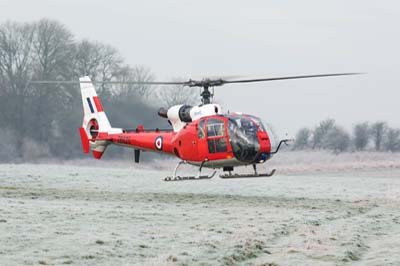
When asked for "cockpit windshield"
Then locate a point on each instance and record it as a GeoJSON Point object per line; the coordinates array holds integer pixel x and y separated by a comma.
{"type": "Point", "coordinates": [242, 130]}
{"type": "Point", "coordinates": [243, 137]}
{"type": "Point", "coordinates": [258, 122]}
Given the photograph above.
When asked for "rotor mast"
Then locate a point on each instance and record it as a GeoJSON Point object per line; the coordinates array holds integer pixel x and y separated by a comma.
{"type": "Point", "coordinates": [206, 95]}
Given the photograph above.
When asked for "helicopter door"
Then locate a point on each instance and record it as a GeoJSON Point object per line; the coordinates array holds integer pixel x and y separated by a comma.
{"type": "Point", "coordinates": [216, 138]}
{"type": "Point", "coordinates": [202, 141]}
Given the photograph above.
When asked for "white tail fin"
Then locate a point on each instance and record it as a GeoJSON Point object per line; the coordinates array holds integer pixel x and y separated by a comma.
{"type": "Point", "coordinates": [95, 124]}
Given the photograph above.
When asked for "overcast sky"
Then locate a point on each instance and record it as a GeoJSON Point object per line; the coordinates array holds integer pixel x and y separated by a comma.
{"type": "Point", "coordinates": [257, 38]}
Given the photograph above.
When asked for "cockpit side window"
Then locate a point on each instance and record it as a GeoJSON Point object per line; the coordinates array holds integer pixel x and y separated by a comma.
{"type": "Point", "coordinates": [215, 127]}
{"type": "Point", "coordinates": [200, 131]}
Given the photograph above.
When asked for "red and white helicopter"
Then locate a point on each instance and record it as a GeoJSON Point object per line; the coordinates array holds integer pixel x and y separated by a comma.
{"type": "Point", "coordinates": [201, 135]}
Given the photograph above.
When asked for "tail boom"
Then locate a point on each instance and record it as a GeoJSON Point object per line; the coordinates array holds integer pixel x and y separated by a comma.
{"type": "Point", "coordinates": [147, 141]}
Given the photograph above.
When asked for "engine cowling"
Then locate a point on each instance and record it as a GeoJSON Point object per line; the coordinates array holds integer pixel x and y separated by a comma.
{"type": "Point", "coordinates": [180, 115]}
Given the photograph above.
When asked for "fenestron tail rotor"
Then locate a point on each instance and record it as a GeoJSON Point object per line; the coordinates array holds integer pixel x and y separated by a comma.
{"type": "Point", "coordinates": [205, 83]}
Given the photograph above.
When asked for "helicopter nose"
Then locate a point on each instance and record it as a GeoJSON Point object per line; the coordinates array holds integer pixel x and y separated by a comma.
{"type": "Point", "coordinates": [265, 147]}
{"type": "Point", "coordinates": [265, 143]}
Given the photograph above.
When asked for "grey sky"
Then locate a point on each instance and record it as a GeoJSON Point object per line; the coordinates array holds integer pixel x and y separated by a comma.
{"type": "Point", "coordinates": [258, 38]}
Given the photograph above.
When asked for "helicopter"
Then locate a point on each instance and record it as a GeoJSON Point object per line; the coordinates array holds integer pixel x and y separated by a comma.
{"type": "Point", "coordinates": [203, 135]}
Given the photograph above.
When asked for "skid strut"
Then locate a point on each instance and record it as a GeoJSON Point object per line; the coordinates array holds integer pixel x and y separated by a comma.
{"type": "Point", "coordinates": [256, 174]}
{"type": "Point", "coordinates": [175, 177]}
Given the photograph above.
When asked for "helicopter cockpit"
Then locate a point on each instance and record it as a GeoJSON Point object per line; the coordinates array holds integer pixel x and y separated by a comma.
{"type": "Point", "coordinates": [251, 141]}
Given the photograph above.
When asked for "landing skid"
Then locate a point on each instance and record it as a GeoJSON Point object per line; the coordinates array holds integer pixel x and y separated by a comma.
{"type": "Point", "coordinates": [182, 178]}
{"type": "Point", "coordinates": [175, 177]}
{"type": "Point", "coordinates": [254, 175]}
{"type": "Point", "coordinates": [226, 176]}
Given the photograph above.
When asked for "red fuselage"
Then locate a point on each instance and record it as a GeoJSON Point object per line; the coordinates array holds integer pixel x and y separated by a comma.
{"type": "Point", "coordinates": [220, 140]}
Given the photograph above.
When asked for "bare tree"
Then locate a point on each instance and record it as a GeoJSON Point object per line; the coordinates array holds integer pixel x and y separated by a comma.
{"type": "Point", "coordinates": [337, 140]}
{"type": "Point", "coordinates": [53, 49]}
{"type": "Point", "coordinates": [302, 140]}
{"type": "Point", "coordinates": [378, 131]}
{"type": "Point", "coordinates": [16, 56]}
{"type": "Point", "coordinates": [136, 73]}
{"type": "Point", "coordinates": [392, 142]}
{"type": "Point", "coordinates": [361, 133]}
{"type": "Point", "coordinates": [15, 74]}
{"type": "Point", "coordinates": [321, 131]}
{"type": "Point", "coordinates": [174, 95]}
{"type": "Point", "coordinates": [100, 62]}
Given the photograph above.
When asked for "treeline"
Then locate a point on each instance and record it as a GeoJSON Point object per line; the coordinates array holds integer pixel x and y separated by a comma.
{"type": "Point", "coordinates": [39, 120]}
{"type": "Point", "coordinates": [378, 136]}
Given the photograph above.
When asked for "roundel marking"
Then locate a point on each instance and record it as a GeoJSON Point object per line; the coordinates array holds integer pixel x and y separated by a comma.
{"type": "Point", "coordinates": [158, 143]}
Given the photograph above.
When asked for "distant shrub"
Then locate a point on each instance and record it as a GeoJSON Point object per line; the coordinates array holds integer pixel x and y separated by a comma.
{"type": "Point", "coordinates": [8, 150]}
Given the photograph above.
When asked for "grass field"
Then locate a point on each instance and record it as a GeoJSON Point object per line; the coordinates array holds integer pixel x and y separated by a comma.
{"type": "Point", "coordinates": [80, 215]}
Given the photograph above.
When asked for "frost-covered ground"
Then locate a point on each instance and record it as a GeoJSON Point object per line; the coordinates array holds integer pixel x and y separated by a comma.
{"type": "Point", "coordinates": [124, 215]}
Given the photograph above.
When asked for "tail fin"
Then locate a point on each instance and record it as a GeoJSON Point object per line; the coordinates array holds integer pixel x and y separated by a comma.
{"type": "Point", "coordinates": [95, 127]}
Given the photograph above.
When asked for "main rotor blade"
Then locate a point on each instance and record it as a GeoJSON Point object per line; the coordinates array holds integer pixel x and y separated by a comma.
{"type": "Point", "coordinates": [108, 82]}
{"type": "Point", "coordinates": [287, 77]}
{"type": "Point", "coordinates": [207, 82]}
